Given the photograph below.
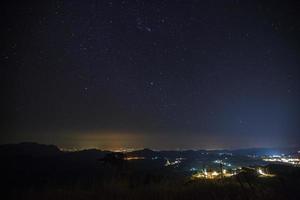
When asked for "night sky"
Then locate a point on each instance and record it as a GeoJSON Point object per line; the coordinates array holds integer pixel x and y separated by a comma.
{"type": "Point", "coordinates": [157, 74]}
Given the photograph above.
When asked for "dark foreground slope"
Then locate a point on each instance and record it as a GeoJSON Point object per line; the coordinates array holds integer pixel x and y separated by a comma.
{"type": "Point", "coordinates": [52, 174]}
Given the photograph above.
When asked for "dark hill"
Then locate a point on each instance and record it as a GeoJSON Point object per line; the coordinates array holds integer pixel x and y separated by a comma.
{"type": "Point", "coordinates": [28, 149]}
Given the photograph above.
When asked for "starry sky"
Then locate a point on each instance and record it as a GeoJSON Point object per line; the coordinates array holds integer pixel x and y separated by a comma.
{"type": "Point", "coordinates": [160, 74]}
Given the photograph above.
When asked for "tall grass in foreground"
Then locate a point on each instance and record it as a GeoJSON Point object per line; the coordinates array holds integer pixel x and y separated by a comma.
{"type": "Point", "coordinates": [143, 187]}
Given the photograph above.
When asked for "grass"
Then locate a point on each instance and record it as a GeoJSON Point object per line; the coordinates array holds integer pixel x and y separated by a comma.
{"type": "Point", "coordinates": [126, 188]}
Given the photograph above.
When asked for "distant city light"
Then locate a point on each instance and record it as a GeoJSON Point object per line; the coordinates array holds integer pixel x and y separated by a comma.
{"type": "Point", "coordinates": [227, 154]}
{"type": "Point", "coordinates": [223, 163]}
{"type": "Point", "coordinates": [134, 158]}
{"type": "Point", "coordinates": [177, 161]}
{"type": "Point", "coordinates": [283, 159]}
{"type": "Point", "coordinates": [193, 169]}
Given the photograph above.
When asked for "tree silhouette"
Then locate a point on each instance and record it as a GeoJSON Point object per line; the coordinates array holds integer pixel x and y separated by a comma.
{"type": "Point", "coordinates": [114, 159]}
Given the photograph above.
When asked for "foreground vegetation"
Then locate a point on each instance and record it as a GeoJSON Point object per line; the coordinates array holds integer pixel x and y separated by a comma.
{"type": "Point", "coordinates": [39, 172]}
{"type": "Point", "coordinates": [167, 185]}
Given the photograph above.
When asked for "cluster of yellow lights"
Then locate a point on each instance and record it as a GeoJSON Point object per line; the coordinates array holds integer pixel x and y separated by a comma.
{"type": "Point", "coordinates": [262, 173]}
{"type": "Point", "coordinates": [134, 158]}
{"type": "Point", "coordinates": [227, 174]}
{"type": "Point", "coordinates": [217, 175]}
{"type": "Point", "coordinates": [212, 174]}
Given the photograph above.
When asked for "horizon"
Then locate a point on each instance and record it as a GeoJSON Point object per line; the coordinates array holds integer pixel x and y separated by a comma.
{"type": "Point", "coordinates": [131, 149]}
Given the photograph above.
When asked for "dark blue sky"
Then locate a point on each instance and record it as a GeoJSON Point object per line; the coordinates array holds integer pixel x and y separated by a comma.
{"type": "Point", "coordinates": [158, 74]}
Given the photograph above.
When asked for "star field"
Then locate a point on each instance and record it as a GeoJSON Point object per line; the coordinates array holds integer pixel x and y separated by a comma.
{"type": "Point", "coordinates": [198, 74]}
